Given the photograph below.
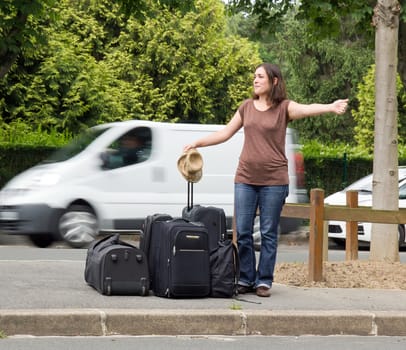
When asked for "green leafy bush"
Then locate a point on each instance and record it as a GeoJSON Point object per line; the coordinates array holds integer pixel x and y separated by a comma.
{"type": "Point", "coordinates": [21, 147]}
{"type": "Point", "coordinates": [364, 115]}
{"type": "Point", "coordinates": [16, 158]}
{"type": "Point", "coordinates": [20, 133]}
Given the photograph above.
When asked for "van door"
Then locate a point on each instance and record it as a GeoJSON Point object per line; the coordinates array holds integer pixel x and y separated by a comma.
{"type": "Point", "coordinates": [125, 180]}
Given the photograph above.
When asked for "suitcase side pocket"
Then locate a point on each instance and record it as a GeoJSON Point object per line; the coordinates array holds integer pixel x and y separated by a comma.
{"type": "Point", "coordinates": [190, 265]}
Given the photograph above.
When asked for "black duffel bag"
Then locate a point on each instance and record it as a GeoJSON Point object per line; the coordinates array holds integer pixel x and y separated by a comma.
{"type": "Point", "coordinates": [115, 267]}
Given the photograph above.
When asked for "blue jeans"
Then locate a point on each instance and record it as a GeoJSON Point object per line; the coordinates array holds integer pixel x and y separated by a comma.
{"type": "Point", "coordinates": [269, 200]}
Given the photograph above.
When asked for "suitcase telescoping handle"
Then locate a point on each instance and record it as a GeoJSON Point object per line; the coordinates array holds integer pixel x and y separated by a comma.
{"type": "Point", "coordinates": [189, 195]}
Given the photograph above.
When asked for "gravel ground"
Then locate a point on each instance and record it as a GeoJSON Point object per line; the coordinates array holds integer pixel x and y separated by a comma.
{"type": "Point", "coordinates": [342, 274]}
{"type": "Point", "coordinates": [347, 274]}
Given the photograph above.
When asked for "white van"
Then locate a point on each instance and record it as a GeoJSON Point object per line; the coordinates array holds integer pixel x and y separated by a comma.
{"type": "Point", "coordinates": [91, 187]}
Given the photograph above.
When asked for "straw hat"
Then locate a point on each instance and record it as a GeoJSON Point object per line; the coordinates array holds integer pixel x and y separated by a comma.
{"type": "Point", "coordinates": [190, 165]}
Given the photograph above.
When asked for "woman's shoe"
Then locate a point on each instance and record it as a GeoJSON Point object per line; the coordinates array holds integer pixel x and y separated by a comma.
{"type": "Point", "coordinates": [263, 291]}
{"type": "Point", "coordinates": [244, 289]}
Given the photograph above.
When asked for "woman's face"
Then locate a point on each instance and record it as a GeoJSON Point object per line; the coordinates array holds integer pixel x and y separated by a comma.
{"type": "Point", "coordinates": [261, 82]}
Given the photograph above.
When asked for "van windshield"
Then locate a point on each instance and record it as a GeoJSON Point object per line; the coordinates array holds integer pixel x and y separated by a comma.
{"type": "Point", "coordinates": [77, 145]}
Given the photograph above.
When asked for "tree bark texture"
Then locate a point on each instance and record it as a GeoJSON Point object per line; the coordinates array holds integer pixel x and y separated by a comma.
{"type": "Point", "coordinates": [384, 240]}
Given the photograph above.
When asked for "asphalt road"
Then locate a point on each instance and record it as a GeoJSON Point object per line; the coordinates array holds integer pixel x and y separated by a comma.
{"type": "Point", "coordinates": [205, 342]}
{"type": "Point", "coordinates": [289, 250]}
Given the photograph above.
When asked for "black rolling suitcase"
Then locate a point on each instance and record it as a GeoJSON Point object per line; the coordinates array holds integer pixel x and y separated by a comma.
{"type": "Point", "coordinates": [181, 261]}
{"type": "Point", "coordinates": [114, 267]}
{"type": "Point", "coordinates": [213, 218]}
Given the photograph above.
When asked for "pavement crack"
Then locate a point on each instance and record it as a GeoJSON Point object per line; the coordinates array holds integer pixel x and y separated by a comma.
{"type": "Point", "coordinates": [244, 324]}
{"type": "Point", "coordinates": [374, 326]}
{"type": "Point", "coordinates": [103, 322]}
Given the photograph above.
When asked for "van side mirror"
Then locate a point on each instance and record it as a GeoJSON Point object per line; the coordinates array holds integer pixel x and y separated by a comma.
{"type": "Point", "coordinates": [111, 160]}
{"type": "Point", "coordinates": [104, 156]}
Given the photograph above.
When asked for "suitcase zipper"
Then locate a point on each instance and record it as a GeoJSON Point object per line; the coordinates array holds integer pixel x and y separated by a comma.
{"type": "Point", "coordinates": [108, 285]}
{"type": "Point", "coordinates": [167, 291]}
{"type": "Point", "coordinates": [189, 250]}
{"type": "Point", "coordinates": [223, 238]}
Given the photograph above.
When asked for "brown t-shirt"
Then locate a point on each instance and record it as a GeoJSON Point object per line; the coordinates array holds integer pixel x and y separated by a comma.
{"type": "Point", "coordinates": [263, 160]}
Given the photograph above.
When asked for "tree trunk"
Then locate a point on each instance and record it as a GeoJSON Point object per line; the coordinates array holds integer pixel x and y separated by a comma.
{"type": "Point", "coordinates": [384, 240]}
{"type": "Point", "coordinates": [402, 52]}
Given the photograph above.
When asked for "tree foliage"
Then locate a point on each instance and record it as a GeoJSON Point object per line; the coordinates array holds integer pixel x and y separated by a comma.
{"type": "Point", "coordinates": [348, 19]}
{"type": "Point", "coordinates": [20, 30]}
{"type": "Point", "coordinates": [322, 71]}
{"type": "Point", "coordinates": [101, 65]}
{"type": "Point", "coordinates": [68, 86]}
{"type": "Point", "coordinates": [315, 71]}
{"type": "Point", "coordinates": [324, 18]}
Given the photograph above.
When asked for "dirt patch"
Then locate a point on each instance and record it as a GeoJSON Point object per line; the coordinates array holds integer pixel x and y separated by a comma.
{"type": "Point", "coordinates": [347, 274]}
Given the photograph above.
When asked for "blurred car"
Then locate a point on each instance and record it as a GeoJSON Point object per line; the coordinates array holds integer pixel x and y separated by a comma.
{"type": "Point", "coordinates": [92, 186]}
{"type": "Point", "coordinates": [337, 229]}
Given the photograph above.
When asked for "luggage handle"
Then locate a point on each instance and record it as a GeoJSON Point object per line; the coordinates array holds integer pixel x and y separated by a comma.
{"type": "Point", "coordinates": [189, 195]}
{"type": "Point", "coordinates": [180, 220]}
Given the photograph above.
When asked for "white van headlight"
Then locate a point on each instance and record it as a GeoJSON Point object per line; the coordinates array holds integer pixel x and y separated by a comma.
{"type": "Point", "coordinates": [34, 181]}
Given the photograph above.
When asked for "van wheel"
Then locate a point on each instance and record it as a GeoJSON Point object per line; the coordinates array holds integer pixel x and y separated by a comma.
{"type": "Point", "coordinates": [78, 226]}
{"type": "Point", "coordinates": [42, 240]}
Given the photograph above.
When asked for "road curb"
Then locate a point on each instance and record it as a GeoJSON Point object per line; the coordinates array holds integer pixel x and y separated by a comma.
{"type": "Point", "coordinates": [105, 322]}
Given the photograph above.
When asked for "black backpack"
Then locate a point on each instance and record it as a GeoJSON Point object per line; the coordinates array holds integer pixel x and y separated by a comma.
{"type": "Point", "coordinates": [224, 269]}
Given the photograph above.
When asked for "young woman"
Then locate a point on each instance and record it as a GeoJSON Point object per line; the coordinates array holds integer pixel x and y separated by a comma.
{"type": "Point", "coordinates": [261, 179]}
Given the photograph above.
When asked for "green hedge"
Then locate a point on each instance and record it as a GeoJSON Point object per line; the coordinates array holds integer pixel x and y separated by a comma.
{"type": "Point", "coordinates": [333, 174]}
{"type": "Point", "coordinates": [14, 159]}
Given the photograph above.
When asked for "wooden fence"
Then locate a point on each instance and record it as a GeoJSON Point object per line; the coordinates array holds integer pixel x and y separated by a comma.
{"type": "Point", "coordinates": [318, 213]}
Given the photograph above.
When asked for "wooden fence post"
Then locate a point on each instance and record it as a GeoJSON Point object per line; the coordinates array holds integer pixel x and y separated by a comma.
{"type": "Point", "coordinates": [351, 239]}
{"type": "Point", "coordinates": [316, 234]}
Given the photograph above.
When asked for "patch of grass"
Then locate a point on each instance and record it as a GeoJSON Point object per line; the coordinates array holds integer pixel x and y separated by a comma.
{"type": "Point", "coordinates": [2, 335]}
{"type": "Point", "coordinates": [235, 306]}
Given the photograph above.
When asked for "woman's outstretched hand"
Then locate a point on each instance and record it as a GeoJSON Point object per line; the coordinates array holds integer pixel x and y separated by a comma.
{"type": "Point", "coordinates": [340, 106]}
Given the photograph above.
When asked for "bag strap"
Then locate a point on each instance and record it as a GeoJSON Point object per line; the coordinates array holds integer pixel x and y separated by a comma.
{"type": "Point", "coordinates": [237, 263]}
{"type": "Point", "coordinates": [111, 240]}
{"type": "Point", "coordinates": [105, 242]}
